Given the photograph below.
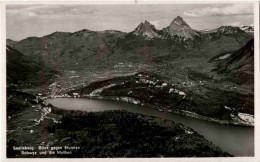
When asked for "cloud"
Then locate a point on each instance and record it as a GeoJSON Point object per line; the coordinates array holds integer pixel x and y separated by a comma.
{"type": "Point", "coordinates": [31, 14]}
{"type": "Point", "coordinates": [240, 24]}
{"type": "Point", "coordinates": [15, 7]}
{"type": "Point", "coordinates": [230, 10]}
{"type": "Point", "coordinates": [47, 11]}
{"type": "Point", "coordinates": [236, 24]}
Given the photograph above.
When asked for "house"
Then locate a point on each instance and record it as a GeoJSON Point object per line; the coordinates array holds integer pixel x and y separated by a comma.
{"type": "Point", "coordinates": [164, 84]}
{"type": "Point", "coordinates": [66, 95]}
{"type": "Point", "coordinates": [75, 94]}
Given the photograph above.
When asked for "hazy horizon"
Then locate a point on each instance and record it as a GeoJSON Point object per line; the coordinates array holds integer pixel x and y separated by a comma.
{"type": "Point", "coordinates": [38, 20]}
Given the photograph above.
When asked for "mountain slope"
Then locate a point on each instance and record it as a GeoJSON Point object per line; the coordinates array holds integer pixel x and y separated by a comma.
{"type": "Point", "coordinates": [10, 42]}
{"type": "Point", "coordinates": [69, 49]}
{"type": "Point", "coordinates": [238, 65]}
{"type": "Point", "coordinates": [23, 71]}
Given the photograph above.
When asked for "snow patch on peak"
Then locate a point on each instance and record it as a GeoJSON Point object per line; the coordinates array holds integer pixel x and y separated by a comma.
{"type": "Point", "coordinates": [177, 22]}
{"type": "Point", "coordinates": [249, 29]}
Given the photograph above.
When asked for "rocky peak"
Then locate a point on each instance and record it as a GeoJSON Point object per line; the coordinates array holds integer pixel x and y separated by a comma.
{"type": "Point", "coordinates": [178, 23]}
{"type": "Point", "coordinates": [146, 29]}
{"type": "Point", "coordinates": [180, 28]}
{"type": "Point", "coordinates": [145, 26]}
{"type": "Point", "coordinates": [247, 28]}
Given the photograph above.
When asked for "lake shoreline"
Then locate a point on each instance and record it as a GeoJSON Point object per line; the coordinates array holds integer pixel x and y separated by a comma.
{"type": "Point", "coordinates": [180, 112]}
{"type": "Point", "coordinates": [212, 131]}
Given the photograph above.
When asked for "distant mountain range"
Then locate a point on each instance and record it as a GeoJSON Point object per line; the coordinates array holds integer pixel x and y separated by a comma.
{"type": "Point", "coordinates": [145, 44]}
{"type": "Point", "coordinates": [180, 29]}
{"type": "Point", "coordinates": [84, 47]}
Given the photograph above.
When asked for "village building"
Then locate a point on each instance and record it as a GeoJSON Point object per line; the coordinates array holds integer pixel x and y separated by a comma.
{"type": "Point", "coordinates": [75, 94]}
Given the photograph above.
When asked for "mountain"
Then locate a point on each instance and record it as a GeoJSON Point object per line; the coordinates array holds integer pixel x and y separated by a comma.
{"type": "Point", "coordinates": [147, 30]}
{"type": "Point", "coordinates": [225, 38]}
{"type": "Point", "coordinates": [82, 49]}
{"type": "Point", "coordinates": [230, 30]}
{"type": "Point", "coordinates": [180, 28]}
{"type": "Point", "coordinates": [23, 71]}
{"type": "Point", "coordinates": [248, 29]}
{"type": "Point", "coordinates": [225, 30]}
{"type": "Point", "coordinates": [69, 49]}
{"type": "Point", "coordinates": [238, 65]}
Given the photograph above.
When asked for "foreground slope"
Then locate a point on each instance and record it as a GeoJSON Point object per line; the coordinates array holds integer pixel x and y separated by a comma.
{"type": "Point", "coordinates": [99, 134]}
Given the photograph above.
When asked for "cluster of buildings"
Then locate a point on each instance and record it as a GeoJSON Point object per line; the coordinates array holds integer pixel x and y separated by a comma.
{"type": "Point", "coordinates": [43, 97]}
{"type": "Point", "coordinates": [128, 99]}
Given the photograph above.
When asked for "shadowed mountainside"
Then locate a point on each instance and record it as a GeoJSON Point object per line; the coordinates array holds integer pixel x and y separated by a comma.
{"type": "Point", "coordinates": [237, 65]}
{"type": "Point", "coordinates": [23, 71]}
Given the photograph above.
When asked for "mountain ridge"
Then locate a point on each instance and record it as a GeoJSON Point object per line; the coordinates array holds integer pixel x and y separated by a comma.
{"type": "Point", "coordinates": [177, 24]}
{"type": "Point", "coordinates": [85, 47]}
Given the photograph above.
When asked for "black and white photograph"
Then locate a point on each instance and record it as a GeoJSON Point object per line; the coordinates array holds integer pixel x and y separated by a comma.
{"type": "Point", "coordinates": [130, 80]}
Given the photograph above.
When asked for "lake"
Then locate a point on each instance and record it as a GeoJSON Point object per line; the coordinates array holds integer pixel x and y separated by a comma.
{"type": "Point", "coordinates": [236, 140]}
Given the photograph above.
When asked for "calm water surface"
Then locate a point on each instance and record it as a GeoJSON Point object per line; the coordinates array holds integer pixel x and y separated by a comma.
{"type": "Point", "coordinates": [237, 140]}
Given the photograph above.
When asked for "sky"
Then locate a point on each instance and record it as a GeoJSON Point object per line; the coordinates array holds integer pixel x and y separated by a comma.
{"type": "Point", "coordinates": [38, 20]}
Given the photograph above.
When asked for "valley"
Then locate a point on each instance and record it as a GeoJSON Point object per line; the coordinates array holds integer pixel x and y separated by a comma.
{"type": "Point", "coordinates": [206, 75]}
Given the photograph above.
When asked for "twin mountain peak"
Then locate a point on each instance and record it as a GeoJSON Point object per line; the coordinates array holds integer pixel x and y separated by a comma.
{"type": "Point", "coordinates": [177, 27]}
